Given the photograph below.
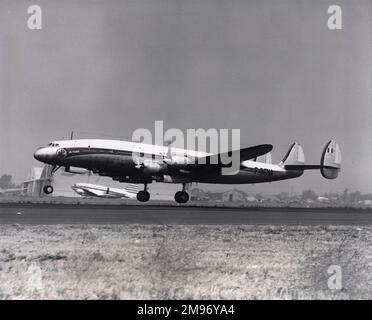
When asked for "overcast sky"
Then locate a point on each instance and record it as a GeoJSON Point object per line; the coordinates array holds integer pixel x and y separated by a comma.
{"type": "Point", "coordinates": [271, 68]}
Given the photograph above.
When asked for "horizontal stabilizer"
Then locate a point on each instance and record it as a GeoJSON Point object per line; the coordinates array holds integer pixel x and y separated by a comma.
{"type": "Point", "coordinates": [306, 167]}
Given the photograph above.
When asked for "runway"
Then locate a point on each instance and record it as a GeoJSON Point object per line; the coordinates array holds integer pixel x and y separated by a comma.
{"type": "Point", "coordinates": [37, 214]}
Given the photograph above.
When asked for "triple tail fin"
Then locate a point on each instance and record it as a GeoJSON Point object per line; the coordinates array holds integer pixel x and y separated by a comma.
{"type": "Point", "coordinates": [266, 158]}
{"type": "Point", "coordinates": [294, 156]}
{"type": "Point", "coordinates": [330, 162]}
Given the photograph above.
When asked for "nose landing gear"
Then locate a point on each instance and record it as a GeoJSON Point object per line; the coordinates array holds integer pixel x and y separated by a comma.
{"type": "Point", "coordinates": [48, 189]}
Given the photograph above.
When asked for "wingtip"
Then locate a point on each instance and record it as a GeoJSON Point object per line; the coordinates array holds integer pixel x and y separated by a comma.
{"type": "Point", "coordinates": [267, 146]}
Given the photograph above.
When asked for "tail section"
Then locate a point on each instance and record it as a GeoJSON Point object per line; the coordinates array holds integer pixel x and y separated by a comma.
{"type": "Point", "coordinates": [331, 160]}
{"type": "Point", "coordinates": [266, 158]}
{"type": "Point", "coordinates": [294, 156]}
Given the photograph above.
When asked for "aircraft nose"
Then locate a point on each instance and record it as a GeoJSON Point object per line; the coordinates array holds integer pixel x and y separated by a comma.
{"type": "Point", "coordinates": [40, 154]}
{"type": "Point", "coordinates": [44, 154]}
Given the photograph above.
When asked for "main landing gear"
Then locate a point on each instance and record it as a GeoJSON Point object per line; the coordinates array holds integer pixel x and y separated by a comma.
{"type": "Point", "coordinates": [143, 195]}
{"type": "Point", "coordinates": [181, 196]}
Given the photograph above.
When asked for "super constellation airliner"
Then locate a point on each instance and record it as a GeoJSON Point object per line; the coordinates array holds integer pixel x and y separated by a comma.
{"type": "Point", "coordinates": [115, 159]}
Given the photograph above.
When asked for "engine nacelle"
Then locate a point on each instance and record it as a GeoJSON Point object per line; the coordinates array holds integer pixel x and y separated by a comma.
{"type": "Point", "coordinates": [151, 167]}
{"type": "Point", "coordinates": [179, 161]}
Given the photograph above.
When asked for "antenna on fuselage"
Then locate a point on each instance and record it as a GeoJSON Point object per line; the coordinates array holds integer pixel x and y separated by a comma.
{"type": "Point", "coordinates": [72, 135]}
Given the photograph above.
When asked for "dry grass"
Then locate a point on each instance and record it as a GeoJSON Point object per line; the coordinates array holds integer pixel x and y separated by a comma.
{"type": "Point", "coordinates": [182, 262]}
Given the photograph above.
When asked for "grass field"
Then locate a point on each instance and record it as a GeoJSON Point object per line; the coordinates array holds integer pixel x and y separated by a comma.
{"type": "Point", "coordinates": [183, 262]}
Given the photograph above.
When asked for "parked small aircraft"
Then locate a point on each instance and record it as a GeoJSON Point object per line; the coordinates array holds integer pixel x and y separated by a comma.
{"type": "Point", "coordinates": [94, 190]}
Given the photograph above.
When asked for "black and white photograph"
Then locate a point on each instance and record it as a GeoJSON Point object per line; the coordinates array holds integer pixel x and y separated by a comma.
{"type": "Point", "coordinates": [186, 150]}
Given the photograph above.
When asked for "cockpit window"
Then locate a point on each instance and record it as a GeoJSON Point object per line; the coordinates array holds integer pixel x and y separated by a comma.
{"type": "Point", "coordinates": [51, 144]}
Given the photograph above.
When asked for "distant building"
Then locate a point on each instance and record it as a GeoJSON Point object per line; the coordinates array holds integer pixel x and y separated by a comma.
{"type": "Point", "coordinates": [234, 196]}
{"type": "Point", "coordinates": [367, 196]}
{"type": "Point", "coordinates": [270, 198]}
{"type": "Point", "coordinates": [197, 194]}
{"type": "Point", "coordinates": [322, 199]}
{"type": "Point", "coordinates": [366, 199]}
{"type": "Point", "coordinates": [214, 196]}
{"type": "Point", "coordinates": [252, 199]}
{"type": "Point", "coordinates": [162, 196]}
{"type": "Point", "coordinates": [33, 186]}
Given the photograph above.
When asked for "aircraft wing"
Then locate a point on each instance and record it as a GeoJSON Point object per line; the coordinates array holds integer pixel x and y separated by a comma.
{"type": "Point", "coordinates": [91, 193]}
{"type": "Point", "coordinates": [245, 154]}
{"type": "Point", "coordinates": [104, 194]}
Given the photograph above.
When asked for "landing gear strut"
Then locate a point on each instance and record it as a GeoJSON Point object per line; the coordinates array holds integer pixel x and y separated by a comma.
{"type": "Point", "coordinates": [143, 195]}
{"type": "Point", "coordinates": [48, 189]}
{"type": "Point", "coordinates": [181, 196]}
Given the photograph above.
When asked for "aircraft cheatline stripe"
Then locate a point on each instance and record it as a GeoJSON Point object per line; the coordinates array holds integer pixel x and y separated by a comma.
{"type": "Point", "coordinates": [245, 154]}
{"type": "Point", "coordinates": [90, 151]}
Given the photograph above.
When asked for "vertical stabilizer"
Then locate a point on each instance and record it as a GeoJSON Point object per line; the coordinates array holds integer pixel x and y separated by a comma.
{"type": "Point", "coordinates": [331, 160]}
{"type": "Point", "coordinates": [294, 156]}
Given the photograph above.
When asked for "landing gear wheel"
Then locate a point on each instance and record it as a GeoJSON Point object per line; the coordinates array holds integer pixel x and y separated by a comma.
{"type": "Point", "coordinates": [48, 189]}
{"type": "Point", "coordinates": [143, 196]}
{"type": "Point", "coordinates": [181, 197]}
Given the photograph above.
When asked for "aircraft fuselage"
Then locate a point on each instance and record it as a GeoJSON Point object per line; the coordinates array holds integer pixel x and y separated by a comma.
{"type": "Point", "coordinates": [117, 160]}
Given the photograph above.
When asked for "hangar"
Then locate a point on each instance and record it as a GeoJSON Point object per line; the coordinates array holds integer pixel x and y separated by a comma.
{"type": "Point", "coordinates": [35, 181]}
